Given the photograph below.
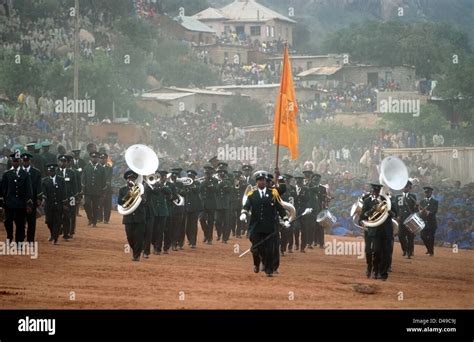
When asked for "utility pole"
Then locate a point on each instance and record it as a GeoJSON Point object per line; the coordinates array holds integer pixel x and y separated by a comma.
{"type": "Point", "coordinates": [76, 69]}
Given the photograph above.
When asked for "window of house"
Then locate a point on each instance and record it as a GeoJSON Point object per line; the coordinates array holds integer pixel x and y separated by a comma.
{"type": "Point", "coordinates": [255, 30]}
{"type": "Point", "coordinates": [268, 31]}
{"type": "Point", "coordinates": [272, 31]}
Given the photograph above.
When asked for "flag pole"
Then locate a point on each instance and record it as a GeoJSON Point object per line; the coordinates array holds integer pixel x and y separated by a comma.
{"type": "Point", "coordinates": [279, 120]}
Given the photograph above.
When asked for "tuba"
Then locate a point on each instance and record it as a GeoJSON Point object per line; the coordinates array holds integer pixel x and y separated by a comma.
{"type": "Point", "coordinates": [393, 175]}
{"type": "Point", "coordinates": [143, 161]}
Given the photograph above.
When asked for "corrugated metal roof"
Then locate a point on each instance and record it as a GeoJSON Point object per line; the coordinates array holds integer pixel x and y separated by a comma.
{"type": "Point", "coordinates": [244, 10]}
{"type": "Point", "coordinates": [192, 24]}
{"type": "Point", "coordinates": [320, 71]}
{"type": "Point", "coordinates": [209, 14]}
{"type": "Point", "coordinates": [165, 96]}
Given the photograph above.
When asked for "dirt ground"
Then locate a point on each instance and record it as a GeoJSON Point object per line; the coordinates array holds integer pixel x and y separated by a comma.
{"type": "Point", "coordinates": [93, 271]}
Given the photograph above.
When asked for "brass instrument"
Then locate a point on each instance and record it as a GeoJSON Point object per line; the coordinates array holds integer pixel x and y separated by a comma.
{"type": "Point", "coordinates": [186, 181]}
{"type": "Point", "coordinates": [393, 175]}
{"type": "Point", "coordinates": [143, 161]}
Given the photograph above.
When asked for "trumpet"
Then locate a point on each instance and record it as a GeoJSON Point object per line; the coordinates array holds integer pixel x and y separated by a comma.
{"type": "Point", "coordinates": [186, 181]}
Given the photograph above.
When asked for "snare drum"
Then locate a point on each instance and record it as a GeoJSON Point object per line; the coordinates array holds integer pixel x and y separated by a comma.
{"type": "Point", "coordinates": [326, 220]}
{"type": "Point", "coordinates": [414, 223]}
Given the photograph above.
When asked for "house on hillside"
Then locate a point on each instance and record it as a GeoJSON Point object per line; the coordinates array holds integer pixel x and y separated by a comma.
{"type": "Point", "coordinates": [248, 20]}
{"type": "Point", "coordinates": [186, 28]}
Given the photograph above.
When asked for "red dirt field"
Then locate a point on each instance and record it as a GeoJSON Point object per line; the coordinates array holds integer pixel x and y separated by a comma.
{"type": "Point", "coordinates": [95, 269]}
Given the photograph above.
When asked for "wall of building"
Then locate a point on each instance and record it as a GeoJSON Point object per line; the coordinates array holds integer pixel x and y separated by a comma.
{"type": "Point", "coordinates": [126, 133]}
{"type": "Point", "coordinates": [217, 53]}
{"type": "Point", "coordinates": [359, 75]}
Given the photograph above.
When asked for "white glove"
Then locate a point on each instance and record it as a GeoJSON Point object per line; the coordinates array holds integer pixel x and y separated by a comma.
{"type": "Point", "coordinates": [286, 224]}
{"type": "Point", "coordinates": [308, 211]}
{"type": "Point", "coordinates": [243, 217]}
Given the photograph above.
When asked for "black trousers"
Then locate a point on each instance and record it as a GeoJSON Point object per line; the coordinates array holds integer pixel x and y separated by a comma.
{"type": "Point", "coordinates": [319, 234]}
{"type": "Point", "coordinates": [386, 244]}
{"type": "Point", "coordinates": [296, 226]}
{"type": "Point", "coordinates": [91, 205]}
{"type": "Point", "coordinates": [222, 226]}
{"type": "Point", "coordinates": [54, 220]}
{"type": "Point", "coordinates": [237, 227]}
{"type": "Point", "coordinates": [16, 215]}
{"type": "Point", "coordinates": [105, 207]}
{"type": "Point", "coordinates": [176, 230]}
{"type": "Point", "coordinates": [31, 226]}
{"type": "Point", "coordinates": [191, 227]}
{"type": "Point", "coordinates": [373, 253]}
{"type": "Point", "coordinates": [428, 237]}
{"type": "Point", "coordinates": [73, 218]}
{"type": "Point", "coordinates": [264, 253]}
{"type": "Point", "coordinates": [148, 234]}
{"type": "Point", "coordinates": [206, 218]}
{"type": "Point", "coordinates": [407, 240]}
{"type": "Point", "coordinates": [307, 230]}
{"type": "Point", "coordinates": [135, 235]}
{"type": "Point", "coordinates": [160, 236]}
{"type": "Point", "coordinates": [67, 222]}
{"type": "Point", "coordinates": [287, 239]}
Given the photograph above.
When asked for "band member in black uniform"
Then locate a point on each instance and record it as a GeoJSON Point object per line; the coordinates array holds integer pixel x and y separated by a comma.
{"type": "Point", "coordinates": [73, 201]}
{"type": "Point", "coordinates": [70, 179]}
{"type": "Point", "coordinates": [55, 201]}
{"type": "Point", "coordinates": [287, 234]}
{"type": "Point", "coordinates": [222, 205]}
{"type": "Point", "coordinates": [247, 175]}
{"type": "Point", "coordinates": [78, 166]}
{"type": "Point", "coordinates": [135, 221]}
{"type": "Point", "coordinates": [16, 197]}
{"type": "Point", "coordinates": [193, 208]}
{"type": "Point", "coordinates": [177, 224]}
{"type": "Point", "coordinates": [162, 197]}
{"type": "Point", "coordinates": [406, 205]}
{"type": "Point", "coordinates": [308, 222]}
{"type": "Point", "coordinates": [106, 201]}
{"type": "Point", "coordinates": [47, 156]}
{"type": "Point", "coordinates": [208, 190]}
{"type": "Point", "coordinates": [36, 160]}
{"type": "Point", "coordinates": [264, 205]}
{"type": "Point", "coordinates": [37, 195]}
{"type": "Point", "coordinates": [322, 197]}
{"type": "Point", "coordinates": [301, 196]}
{"type": "Point", "coordinates": [238, 190]}
{"type": "Point", "coordinates": [378, 240]}
{"type": "Point", "coordinates": [93, 180]}
{"type": "Point", "coordinates": [428, 210]}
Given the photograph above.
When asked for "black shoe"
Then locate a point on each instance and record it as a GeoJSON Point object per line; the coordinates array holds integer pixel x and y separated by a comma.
{"type": "Point", "coordinates": [209, 242]}
{"type": "Point", "coordinates": [106, 222]}
{"type": "Point", "coordinates": [255, 269]}
{"type": "Point", "coordinates": [166, 252]}
{"type": "Point", "coordinates": [174, 249]}
{"type": "Point", "coordinates": [376, 276]}
{"type": "Point", "coordinates": [50, 239]}
{"type": "Point", "coordinates": [156, 252]}
{"type": "Point", "coordinates": [94, 226]}
{"type": "Point", "coordinates": [193, 246]}
{"type": "Point", "coordinates": [204, 241]}
{"type": "Point", "coordinates": [269, 275]}
{"type": "Point", "coordinates": [390, 269]}
{"type": "Point", "coordinates": [297, 247]}
{"type": "Point", "coordinates": [427, 252]}
{"type": "Point", "coordinates": [89, 223]}
{"type": "Point", "coordinates": [310, 247]}
{"type": "Point", "coordinates": [146, 256]}
{"type": "Point", "coordinates": [368, 272]}
{"type": "Point", "coordinates": [56, 242]}
{"type": "Point", "coordinates": [136, 259]}
{"type": "Point", "coordinates": [384, 277]}
{"type": "Point", "coordinates": [404, 254]}
{"type": "Point", "coordinates": [218, 238]}
{"type": "Point", "coordinates": [431, 254]}
{"type": "Point", "coordinates": [275, 271]}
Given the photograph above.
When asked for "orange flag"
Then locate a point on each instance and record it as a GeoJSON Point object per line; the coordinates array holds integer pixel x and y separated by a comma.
{"type": "Point", "coordinates": [285, 132]}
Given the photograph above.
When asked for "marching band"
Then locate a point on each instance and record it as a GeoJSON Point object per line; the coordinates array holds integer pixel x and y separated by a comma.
{"type": "Point", "coordinates": [161, 209]}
